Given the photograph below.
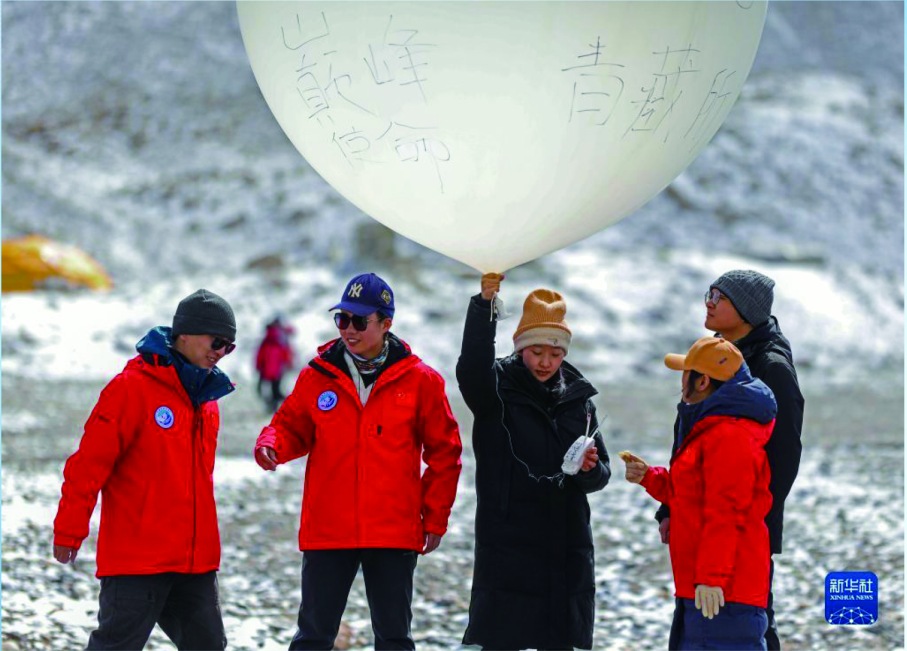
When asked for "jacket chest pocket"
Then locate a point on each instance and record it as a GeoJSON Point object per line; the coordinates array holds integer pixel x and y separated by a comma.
{"type": "Point", "coordinates": [209, 423]}
{"type": "Point", "coordinates": [170, 435]}
{"type": "Point", "coordinates": [397, 422]}
{"type": "Point", "coordinates": [401, 407]}
{"type": "Point", "coordinates": [686, 474]}
{"type": "Point", "coordinates": [334, 411]}
{"type": "Point", "coordinates": [174, 422]}
{"type": "Point", "coordinates": [569, 425]}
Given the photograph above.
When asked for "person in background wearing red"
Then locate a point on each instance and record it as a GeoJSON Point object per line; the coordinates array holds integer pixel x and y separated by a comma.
{"type": "Point", "coordinates": [148, 448]}
{"type": "Point", "coordinates": [273, 359]}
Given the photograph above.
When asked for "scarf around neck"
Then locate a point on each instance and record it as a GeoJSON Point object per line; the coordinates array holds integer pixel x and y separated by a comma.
{"type": "Point", "coordinates": [370, 366]}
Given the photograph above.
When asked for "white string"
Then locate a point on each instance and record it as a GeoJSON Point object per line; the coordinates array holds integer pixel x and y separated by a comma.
{"type": "Point", "coordinates": [557, 479]}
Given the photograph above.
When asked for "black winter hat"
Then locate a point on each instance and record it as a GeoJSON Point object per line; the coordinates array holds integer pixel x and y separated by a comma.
{"type": "Point", "coordinates": [204, 313]}
{"type": "Point", "coordinates": [750, 292]}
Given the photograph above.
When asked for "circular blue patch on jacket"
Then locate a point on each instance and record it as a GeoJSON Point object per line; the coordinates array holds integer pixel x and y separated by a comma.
{"type": "Point", "coordinates": [327, 400]}
{"type": "Point", "coordinates": [163, 416]}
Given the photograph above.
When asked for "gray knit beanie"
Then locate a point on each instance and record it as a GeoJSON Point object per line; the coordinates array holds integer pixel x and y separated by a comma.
{"type": "Point", "coordinates": [204, 313]}
{"type": "Point", "coordinates": [750, 292]}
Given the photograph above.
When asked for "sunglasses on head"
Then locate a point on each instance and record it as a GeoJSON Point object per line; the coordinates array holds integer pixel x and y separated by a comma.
{"type": "Point", "coordinates": [343, 321]}
{"type": "Point", "coordinates": [713, 296]}
{"type": "Point", "coordinates": [219, 342]}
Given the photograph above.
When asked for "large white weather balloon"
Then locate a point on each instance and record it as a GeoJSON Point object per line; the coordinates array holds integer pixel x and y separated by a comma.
{"type": "Point", "coordinates": [496, 132]}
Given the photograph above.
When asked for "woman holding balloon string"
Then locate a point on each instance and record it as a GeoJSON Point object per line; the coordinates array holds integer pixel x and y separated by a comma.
{"type": "Point", "coordinates": [533, 580]}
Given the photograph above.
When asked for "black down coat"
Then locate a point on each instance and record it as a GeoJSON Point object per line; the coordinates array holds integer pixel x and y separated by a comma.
{"type": "Point", "coordinates": [533, 582]}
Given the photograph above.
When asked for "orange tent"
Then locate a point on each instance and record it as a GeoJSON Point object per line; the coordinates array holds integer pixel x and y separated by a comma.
{"type": "Point", "coordinates": [35, 262]}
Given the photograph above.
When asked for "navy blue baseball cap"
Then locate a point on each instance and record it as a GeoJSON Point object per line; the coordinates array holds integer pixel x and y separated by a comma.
{"type": "Point", "coordinates": [367, 293]}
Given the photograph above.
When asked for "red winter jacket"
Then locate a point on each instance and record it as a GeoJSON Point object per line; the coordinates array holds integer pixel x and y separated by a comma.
{"type": "Point", "coordinates": [150, 453]}
{"type": "Point", "coordinates": [717, 489]}
{"type": "Point", "coordinates": [364, 485]}
{"type": "Point", "coordinates": [274, 356]}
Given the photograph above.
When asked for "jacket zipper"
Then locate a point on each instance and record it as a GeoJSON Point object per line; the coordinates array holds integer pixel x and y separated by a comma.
{"type": "Point", "coordinates": [358, 474]}
{"type": "Point", "coordinates": [348, 386]}
{"type": "Point", "coordinates": [196, 435]}
{"type": "Point", "coordinates": [359, 426]}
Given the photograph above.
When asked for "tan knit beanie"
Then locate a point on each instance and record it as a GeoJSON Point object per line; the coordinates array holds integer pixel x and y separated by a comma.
{"type": "Point", "coordinates": [542, 322]}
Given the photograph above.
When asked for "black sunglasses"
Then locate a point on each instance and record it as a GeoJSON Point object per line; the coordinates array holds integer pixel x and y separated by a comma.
{"type": "Point", "coordinates": [219, 342]}
{"type": "Point", "coordinates": [343, 321]}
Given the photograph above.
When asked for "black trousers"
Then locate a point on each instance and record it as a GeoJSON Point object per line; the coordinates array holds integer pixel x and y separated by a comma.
{"type": "Point", "coordinates": [276, 393]}
{"type": "Point", "coordinates": [185, 606]}
{"type": "Point", "coordinates": [772, 642]}
{"type": "Point", "coordinates": [771, 635]}
{"type": "Point", "coordinates": [327, 576]}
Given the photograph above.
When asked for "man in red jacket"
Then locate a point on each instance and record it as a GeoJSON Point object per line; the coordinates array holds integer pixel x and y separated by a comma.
{"type": "Point", "coordinates": [148, 448]}
{"type": "Point", "coordinates": [367, 412]}
{"type": "Point", "coordinates": [718, 490]}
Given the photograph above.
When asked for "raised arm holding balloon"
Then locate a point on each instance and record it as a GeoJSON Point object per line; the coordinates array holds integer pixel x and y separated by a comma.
{"type": "Point", "coordinates": [534, 582]}
{"type": "Point", "coordinates": [491, 285]}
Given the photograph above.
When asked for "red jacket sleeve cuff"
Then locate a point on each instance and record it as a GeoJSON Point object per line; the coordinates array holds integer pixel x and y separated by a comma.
{"type": "Point", "coordinates": [437, 528]}
{"type": "Point", "coordinates": [649, 478]}
{"type": "Point", "coordinates": [267, 438]}
{"type": "Point", "coordinates": [67, 541]}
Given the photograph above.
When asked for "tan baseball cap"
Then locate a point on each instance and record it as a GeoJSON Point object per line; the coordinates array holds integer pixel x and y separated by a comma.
{"type": "Point", "coordinates": [713, 356]}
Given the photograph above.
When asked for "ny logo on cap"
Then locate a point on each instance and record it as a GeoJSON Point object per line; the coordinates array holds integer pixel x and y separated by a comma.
{"type": "Point", "coordinates": [355, 290]}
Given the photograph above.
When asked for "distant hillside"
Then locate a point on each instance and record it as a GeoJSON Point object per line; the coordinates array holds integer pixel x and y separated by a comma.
{"type": "Point", "coordinates": [136, 131]}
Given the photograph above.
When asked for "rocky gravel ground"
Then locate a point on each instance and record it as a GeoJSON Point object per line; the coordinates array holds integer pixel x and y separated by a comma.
{"type": "Point", "coordinates": [846, 513]}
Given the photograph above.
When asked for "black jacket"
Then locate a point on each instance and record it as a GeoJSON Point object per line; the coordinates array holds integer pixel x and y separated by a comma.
{"type": "Point", "coordinates": [533, 580]}
{"type": "Point", "coordinates": [767, 352]}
